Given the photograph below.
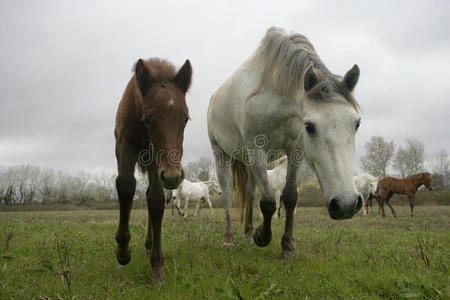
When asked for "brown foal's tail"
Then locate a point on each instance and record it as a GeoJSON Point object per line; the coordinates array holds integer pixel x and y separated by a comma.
{"type": "Point", "coordinates": [240, 177]}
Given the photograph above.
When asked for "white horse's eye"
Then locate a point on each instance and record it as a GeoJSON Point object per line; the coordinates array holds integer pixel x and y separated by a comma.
{"type": "Point", "coordinates": [358, 123]}
{"type": "Point", "coordinates": [310, 128]}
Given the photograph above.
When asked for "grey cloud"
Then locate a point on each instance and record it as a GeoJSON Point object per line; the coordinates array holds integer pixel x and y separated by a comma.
{"type": "Point", "coordinates": [65, 66]}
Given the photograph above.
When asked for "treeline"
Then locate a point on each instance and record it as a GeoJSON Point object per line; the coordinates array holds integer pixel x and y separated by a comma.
{"type": "Point", "coordinates": [383, 158]}
{"type": "Point", "coordinates": [27, 184]}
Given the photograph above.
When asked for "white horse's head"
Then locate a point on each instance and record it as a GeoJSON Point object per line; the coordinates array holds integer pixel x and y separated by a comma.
{"type": "Point", "coordinates": [331, 119]}
{"type": "Point", "coordinates": [213, 187]}
{"type": "Point", "coordinates": [373, 187]}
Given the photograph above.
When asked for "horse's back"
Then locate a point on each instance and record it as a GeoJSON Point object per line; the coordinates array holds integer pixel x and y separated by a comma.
{"type": "Point", "coordinates": [225, 114]}
{"type": "Point", "coordinates": [194, 189]}
{"type": "Point", "coordinates": [393, 184]}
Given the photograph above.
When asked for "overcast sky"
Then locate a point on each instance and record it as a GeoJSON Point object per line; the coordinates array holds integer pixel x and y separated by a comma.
{"type": "Point", "coordinates": [65, 64]}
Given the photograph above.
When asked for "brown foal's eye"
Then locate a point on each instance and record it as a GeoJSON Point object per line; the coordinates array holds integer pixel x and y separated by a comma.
{"type": "Point", "coordinates": [186, 120]}
{"type": "Point", "coordinates": [147, 121]}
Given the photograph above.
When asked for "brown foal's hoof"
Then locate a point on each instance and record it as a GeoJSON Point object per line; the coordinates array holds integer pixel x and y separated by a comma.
{"type": "Point", "coordinates": [123, 257]}
{"type": "Point", "coordinates": [249, 234]}
{"type": "Point", "coordinates": [158, 276]}
{"type": "Point", "coordinates": [262, 237]}
{"type": "Point", "coordinates": [286, 254]}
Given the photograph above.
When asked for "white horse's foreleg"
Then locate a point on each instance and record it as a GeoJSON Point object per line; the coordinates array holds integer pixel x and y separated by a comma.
{"type": "Point", "coordinates": [210, 205]}
{"type": "Point", "coordinates": [290, 195]}
{"type": "Point", "coordinates": [363, 204]}
{"type": "Point", "coordinates": [223, 170]}
{"type": "Point", "coordinates": [257, 200]}
{"type": "Point", "coordinates": [249, 214]}
{"type": "Point", "coordinates": [186, 201]}
{"type": "Point", "coordinates": [197, 207]}
{"type": "Point", "coordinates": [177, 205]}
{"type": "Point", "coordinates": [278, 201]}
{"type": "Point", "coordinates": [258, 167]}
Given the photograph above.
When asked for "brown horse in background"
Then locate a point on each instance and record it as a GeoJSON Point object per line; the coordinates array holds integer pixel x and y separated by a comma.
{"type": "Point", "coordinates": [149, 130]}
{"type": "Point", "coordinates": [408, 186]}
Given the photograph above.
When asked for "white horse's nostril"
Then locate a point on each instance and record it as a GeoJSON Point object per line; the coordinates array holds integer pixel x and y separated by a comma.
{"type": "Point", "coordinates": [334, 207]}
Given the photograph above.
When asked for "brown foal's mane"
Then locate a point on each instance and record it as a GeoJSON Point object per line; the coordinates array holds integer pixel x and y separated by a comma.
{"type": "Point", "coordinates": [160, 69]}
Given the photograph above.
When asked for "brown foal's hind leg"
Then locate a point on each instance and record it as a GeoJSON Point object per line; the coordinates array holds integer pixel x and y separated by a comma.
{"type": "Point", "coordinates": [126, 186]}
{"type": "Point", "coordinates": [155, 205]}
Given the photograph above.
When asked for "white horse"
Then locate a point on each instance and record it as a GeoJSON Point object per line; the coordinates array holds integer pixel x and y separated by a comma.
{"type": "Point", "coordinates": [194, 191]}
{"type": "Point", "coordinates": [213, 187]}
{"type": "Point", "coordinates": [364, 184]}
{"type": "Point", "coordinates": [284, 100]}
{"type": "Point", "coordinates": [277, 180]}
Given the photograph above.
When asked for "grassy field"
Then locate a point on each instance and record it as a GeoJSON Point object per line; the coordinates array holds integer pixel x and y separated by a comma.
{"type": "Point", "coordinates": [70, 254]}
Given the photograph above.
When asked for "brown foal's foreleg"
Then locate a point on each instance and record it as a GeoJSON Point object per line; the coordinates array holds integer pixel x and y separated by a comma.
{"type": "Point", "coordinates": [388, 198]}
{"type": "Point", "coordinates": [149, 239]}
{"type": "Point", "coordinates": [126, 185]}
{"type": "Point", "coordinates": [381, 205]}
{"type": "Point", "coordinates": [411, 204]}
{"type": "Point", "coordinates": [155, 205]}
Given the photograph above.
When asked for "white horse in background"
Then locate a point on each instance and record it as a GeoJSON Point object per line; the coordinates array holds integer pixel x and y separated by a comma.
{"type": "Point", "coordinates": [194, 191]}
{"type": "Point", "coordinates": [213, 187]}
{"type": "Point", "coordinates": [366, 185]}
{"type": "Point", "coordinates": [277, 180]}
{"type": "Point", "coordinates": [284, 100]}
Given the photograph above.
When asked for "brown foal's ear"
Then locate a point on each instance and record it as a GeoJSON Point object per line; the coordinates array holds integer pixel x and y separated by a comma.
{"type": "Point", "coordinates": [143, 77]}
{"type": "Point", "coordinates": [183, 77]}
{"type": "Point", "coordinates": [351, 78]}
{"type": "Point", "coordinates": [310, 79]}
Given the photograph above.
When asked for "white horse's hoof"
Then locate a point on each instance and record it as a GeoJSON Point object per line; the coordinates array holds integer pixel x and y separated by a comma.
{"type": "Point", "coordinates": [228, 245]}
{"type": "Point", "coordinates": [119, 266]}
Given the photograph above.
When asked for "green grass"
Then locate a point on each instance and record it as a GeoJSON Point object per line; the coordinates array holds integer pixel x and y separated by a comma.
{"type": "Point", "coordinates": [63, 254]}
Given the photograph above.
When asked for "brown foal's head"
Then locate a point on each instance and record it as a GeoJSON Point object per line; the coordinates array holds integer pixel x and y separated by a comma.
{"type": "Point", "coordinates": [165, 114]}
{"type": "Point", "coordinates": [427, 181]}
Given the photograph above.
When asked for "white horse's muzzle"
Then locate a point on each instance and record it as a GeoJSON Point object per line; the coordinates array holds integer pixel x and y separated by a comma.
{"type": "Point", "coordinates": [341, 208]}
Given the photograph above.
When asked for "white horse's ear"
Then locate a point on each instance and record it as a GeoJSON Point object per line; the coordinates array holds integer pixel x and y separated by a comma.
{"type": "Point", "coordinates": [310, 78]}
{"type": "Point", "coordinates": [351, 78]}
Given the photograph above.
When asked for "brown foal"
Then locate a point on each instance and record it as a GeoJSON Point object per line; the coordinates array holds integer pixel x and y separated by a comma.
{"type": "Point", "coordinates": [388, 186]}
{"type": "Point", "coordinates": [149, 130]}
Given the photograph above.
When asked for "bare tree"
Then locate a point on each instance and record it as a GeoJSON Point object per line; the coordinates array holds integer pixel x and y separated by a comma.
{"type": "Point", "coordinates": [440, 164]}
{"type": "Point", "coordinates": [378, 155]}
{"type": "Point", "coordinates": [201, 169]}
{"type": "Point", "coordinates": [409, 160]}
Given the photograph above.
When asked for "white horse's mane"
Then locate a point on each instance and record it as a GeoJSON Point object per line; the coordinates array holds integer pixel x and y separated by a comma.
{"type": "Point", "coordinates": [284, 60]}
